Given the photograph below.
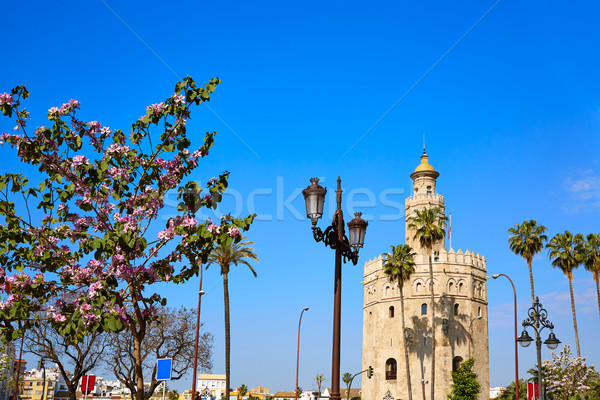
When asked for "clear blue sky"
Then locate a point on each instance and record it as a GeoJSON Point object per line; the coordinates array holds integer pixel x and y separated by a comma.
{"type": "Point", "coordinates": [508, 102]}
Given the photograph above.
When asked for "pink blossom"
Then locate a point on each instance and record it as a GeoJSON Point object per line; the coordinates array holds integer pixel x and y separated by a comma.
{"type": "Point", "coordinates": [155, 109]}
{"type": "Point", "coordinates": [105, 131]}
{"type": "Point", "coordinates": [233, 232]}
{"type": "Point", "coordinates": [54, 112]}
{"type": "Point", "coordinates": [6, 98]}
{"type": "Point", "coordinates": [166, 235]}
{"type": "Point", "coordinates": [198, 153]}
{"type": "Point", "coordinates": [68, 107]}
{"type": "Point", "coordinates": [93, 289]}
{"type": "Point", "coordinates": [79, 159]}
{"type": "Point", "coordinates": [189, 222]}
{"type": "Point", "coordinates": [214, 229]}
{"type": "Point", "coordinates": [59, 317]}
{"type": "Point", "coordinates": [178, 99]}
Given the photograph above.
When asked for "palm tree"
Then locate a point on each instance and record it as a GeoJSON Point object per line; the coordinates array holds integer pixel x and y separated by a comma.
{"type": "Point", "coordinates": [225, 255]}
{"type": "Point", "coordinates": [399, 265]}
{"type": "Point", "coordinates": [527, 240]}
{"type": "Point", "coordinates": [562, 249]}
{"type": "Point", "coordinates": [590, 254]}
{"type": "Point", "coordinates": [429, 225]}
{"type": "Point", "coordinates": [320, 379]}
{"type": "Point", "coordinates": [242, 390]}
{"type": "Point", "coordinates": [347, 378]}
{"type": "Point", "coordinates": [12, 382]}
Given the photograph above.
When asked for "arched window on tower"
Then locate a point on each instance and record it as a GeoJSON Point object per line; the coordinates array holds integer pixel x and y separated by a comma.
{"type": "Point", "coordinates": [428, 190]}
{"type": "Point", "coordinates": [423, 309]}
{"type": "Point", "coordinates": [456, 361]}
{"type": "Point", "coordinates": [390, 369]}
{"type": "Point", "coordinates": [391, 311]}
{"type": "Point", "coordinates": [479, 313]}
{"type": "Point", "coordinates": [456, 309]}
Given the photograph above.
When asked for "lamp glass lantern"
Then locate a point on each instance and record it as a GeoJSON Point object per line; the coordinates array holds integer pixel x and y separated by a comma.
{"type": "Point", "coordinates": [357, 228]}
{"type": "Point", "coordinates": [314, 197]}
{"type": "Point", "coordinates": [552, 342]}
{"type": "Point", "coordinates": [525, 340]}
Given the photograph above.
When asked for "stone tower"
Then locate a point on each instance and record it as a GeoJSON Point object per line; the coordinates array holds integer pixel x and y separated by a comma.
{"type": "Point", "coordinates": [460, 298]}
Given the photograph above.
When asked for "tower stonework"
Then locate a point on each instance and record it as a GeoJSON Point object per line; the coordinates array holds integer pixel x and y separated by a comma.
{"type": "Point", "coordinates": [460, 292]}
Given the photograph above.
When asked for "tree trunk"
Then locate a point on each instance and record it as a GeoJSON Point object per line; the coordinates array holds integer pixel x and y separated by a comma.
{"type": "Point", "coordinates": [531, 280]}
{"type": "Point", "coordinates": [570, 277]}
{"type": "Point", "coordinates": [408, 383]}
{"type": "Point", "coordinates": [139, 373]}
{"type": "Point", "coordinates": [431, 287]}
{"type": "Point", "coordinates": [596, 276]}
{"type": "Point", "coordinates": [227, 337]}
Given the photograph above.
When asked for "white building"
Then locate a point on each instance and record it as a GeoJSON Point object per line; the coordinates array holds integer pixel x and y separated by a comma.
{"type": "Point", "coordinates": [213, 384]}
{"type": "Point", "coordinates": [496, 391]}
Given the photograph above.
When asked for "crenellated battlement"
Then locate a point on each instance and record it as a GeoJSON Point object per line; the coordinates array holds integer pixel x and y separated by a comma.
{"type": "Point", "coordinates": [467, 258]}
{"type": "Point", "coordinates": [454, 260]}
{"type": "Point", "coordinates": [373, 265]}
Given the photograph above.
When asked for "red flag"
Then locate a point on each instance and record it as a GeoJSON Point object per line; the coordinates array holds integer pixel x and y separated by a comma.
{"type": "Point", "coordinates": [87, 384]}
{"type": "Point", "coordinates": [449, 225]}
{"type": "Point", "coordinates": [532, 391]}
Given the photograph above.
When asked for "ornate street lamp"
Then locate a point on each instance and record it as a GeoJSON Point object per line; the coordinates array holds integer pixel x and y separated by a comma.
{"type": "Point", "coordinates": [335, 238]}
{"type": "Point", "coordinates": [537, 319]}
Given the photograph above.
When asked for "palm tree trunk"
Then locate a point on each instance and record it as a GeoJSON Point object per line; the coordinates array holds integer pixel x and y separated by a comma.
{"type": "Point", "coordinates": [596, 276]}
{"type": "Point", "coordinates": [570, 277]}
{"type": "Point", "coordinates": [431, 287]}
{"type": "Point", "coordinates": [531, 280]}
{"type": "Point", "coordinates": [227, 337]}
{"type": "Point", "coordinates": [408, 384]}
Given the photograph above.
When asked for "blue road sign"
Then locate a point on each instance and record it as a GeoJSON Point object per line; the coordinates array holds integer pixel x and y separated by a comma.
{"type": "Point", "coordinates": [163, 369]}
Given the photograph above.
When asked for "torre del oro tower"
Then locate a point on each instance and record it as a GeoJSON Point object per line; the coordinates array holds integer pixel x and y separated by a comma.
{"type": "Point", "coordinates": [459, 280]}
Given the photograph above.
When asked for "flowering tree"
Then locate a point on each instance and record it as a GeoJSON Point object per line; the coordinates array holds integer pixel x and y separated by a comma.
{"type": "Point", "coordinates": [98, 199]}
{"type": "Point", "coordinates": [565, 376]}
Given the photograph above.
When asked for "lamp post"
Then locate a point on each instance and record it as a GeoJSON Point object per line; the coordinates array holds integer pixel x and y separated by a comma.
{"type": "Point", "coordinates": [470, 328]}
{"type": "Point", "coordinates": [200, 293]}
{"type": "Point", "coordinates": [496, 276]}
{"type": "Point", "coordinates": [334, 237]}
{"type": "Point", "coordinates": [298, 352]}
{"type": "Point", "coordinates": [537, 319]}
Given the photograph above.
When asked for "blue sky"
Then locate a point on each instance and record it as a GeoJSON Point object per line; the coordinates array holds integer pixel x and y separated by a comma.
{"type": "Point", "coordinates": [506, 92]}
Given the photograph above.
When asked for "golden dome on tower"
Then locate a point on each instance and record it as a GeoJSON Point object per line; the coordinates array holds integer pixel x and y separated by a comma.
{"type": "Point", "coordinates": [424, 166]}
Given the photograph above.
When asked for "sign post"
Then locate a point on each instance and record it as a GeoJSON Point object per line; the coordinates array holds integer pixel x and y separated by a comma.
{"type": "Point", "coordinates": [163, 372]}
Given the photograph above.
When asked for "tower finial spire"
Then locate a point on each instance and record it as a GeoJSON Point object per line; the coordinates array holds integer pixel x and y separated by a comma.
{"type": "Point", "coordinates": [423, 142]}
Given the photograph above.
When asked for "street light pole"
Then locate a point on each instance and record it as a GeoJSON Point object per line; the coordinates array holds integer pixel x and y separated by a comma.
{"type": "Point", "coordinates": [200, 293]}
{"type": "Point", "coordinates": [496, 276]}
{"type": "Point", "coordinates": [335, 238]}
{"type": "Point", "coordinates": [470, 328]}
{"type": "Point", "coordinates": [537, 319]}
{"type": "Point", "coordinates": [298, 352]}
